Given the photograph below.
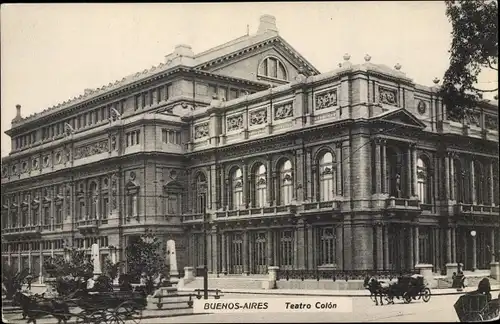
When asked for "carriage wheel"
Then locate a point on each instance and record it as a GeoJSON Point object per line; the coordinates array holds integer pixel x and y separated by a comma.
{"type": "Point", "coordinates": [407, 298]}
{"type": "Point", "coordinates": [126, 311]}
{"type": "Point", "coordinates": [426, 295]}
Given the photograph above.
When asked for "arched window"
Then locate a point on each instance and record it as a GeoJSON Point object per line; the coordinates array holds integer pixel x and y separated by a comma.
{"type": "Point", "coordinates": [272, 67]}
{"type": "Point", "coordinates": [423, 183]}
{"type": "Point", "coordinates": [286, 183]}
{"type": "Point", "coordinates": [260, 186]}
{"type": "Point", "coordinates": [201, 192]}
{"type": "Point", "coordinates": [94, 200]}
{"type": "Point", "coordinates": [237, 188]}
{"type": "Point", "coordinates": [481, 183]}
{"type": "Point", "coordinates": [327, 177]}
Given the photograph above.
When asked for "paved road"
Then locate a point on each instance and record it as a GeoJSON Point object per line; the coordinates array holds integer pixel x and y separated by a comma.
{"type": "Point", "coordinates": [440, 308]}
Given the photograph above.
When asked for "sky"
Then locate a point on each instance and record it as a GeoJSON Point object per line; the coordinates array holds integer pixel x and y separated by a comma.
{"type": "Point", "coordinates": [52, 52]}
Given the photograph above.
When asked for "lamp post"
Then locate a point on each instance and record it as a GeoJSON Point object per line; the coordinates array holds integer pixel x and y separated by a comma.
{"type": "Point", "coordinates": [474, 261]}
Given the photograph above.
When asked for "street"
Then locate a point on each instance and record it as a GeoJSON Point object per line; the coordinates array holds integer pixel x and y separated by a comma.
{"type": "Point", "coordinates": [438, 309]}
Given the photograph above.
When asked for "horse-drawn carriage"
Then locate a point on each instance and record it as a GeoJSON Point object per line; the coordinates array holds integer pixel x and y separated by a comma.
{"type": "Point", "coordinates": [95, 307]}
{"type": "Point", "coordinates": [477, 307]}
{"type": "Point", "coordinates": [407, 288]}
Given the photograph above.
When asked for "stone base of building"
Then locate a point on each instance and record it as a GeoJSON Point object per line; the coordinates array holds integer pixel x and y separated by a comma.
{"type": "Point", "coordinates": [495, 270]}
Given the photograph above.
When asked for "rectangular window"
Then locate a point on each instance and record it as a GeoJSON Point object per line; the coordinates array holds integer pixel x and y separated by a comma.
{"type": "Point", "coordinates": [91, 118]}
{"type": "Point", "coordinates": [46, 216]}
{"type": "Point", "coordinates": [161, 94]}
{"type": "Point", "coordinates": [222, 93]}
{"type": "Point", "coordinates": [97, 116]}
{"type": "Point", "coordinates": [133, 138]}
{"type": "Point", "coordinates": [178, 138]}
{"type": "Point", "coordinates": [59, 216]}
{"type": "Point", "coordinates": [138, 102]}
{"type": "Point", "coordinates": [137, 134]}
{"type": "Point", "coordinates": [84, 120]}
{"type": "Point", "coordinates": [145, 99]}
{"type": "Point", "coordinates": [164, 135]}
{"type": "Point", "coordinates": [154, 96]}
{"type": "Point", "coordinates": [212, 90]}
{"type": "Point", "coordinates": [105, 204]}
{"type": "Point", "coordinates": [169, 91]}
{"type": "Point", "coordinates": [233, 94]}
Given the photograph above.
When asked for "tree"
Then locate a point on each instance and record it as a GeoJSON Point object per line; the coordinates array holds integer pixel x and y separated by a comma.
{"type": "Point", "coordinates": [78, 265]}
{"type": "Point", "coordinates": [13, 280]}
{"type": "Point", "coordinates": [144, 259]}
{"type": "Point", "coordinates": [474, 48]}
{"type": "Point", "coordinates": [110, 269]}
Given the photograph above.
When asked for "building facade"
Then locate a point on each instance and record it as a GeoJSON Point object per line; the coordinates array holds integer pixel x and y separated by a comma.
{"type": "Point", "coordinates": [354, 169]}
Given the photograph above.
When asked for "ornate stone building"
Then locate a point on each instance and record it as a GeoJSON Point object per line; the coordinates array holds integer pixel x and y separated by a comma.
{"type": "Point", "coordinates": [357, 168]}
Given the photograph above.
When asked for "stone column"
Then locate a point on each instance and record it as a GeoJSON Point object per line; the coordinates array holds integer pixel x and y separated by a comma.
{"type": "Point", "coordinates": [383, 170]}
{"type": "Point", "coordinates": [298, 176]}
{"type": "Point", "coordinates": [245, 185]}
{"type": "Point", "coordinates": [380, 248]}
{"type": "Point", "coordinates": [447, 176]}
{"type": "Point", "coordinates": [223, 245]}
{"type": "Point", "coordinates": [346, 167]}
{"type": "Point", "coordinates": [386, 247]}
{"type": "Point", "coordinates": [454, 244]}
{"type": "Point", "coordinates": [411, 255]}
{"type": "Point", "coordinates": [451, 267]}
{"type": "Point", "coordinates": [472, 182]}
{"type": "Point", "coordinates": [314, 180]}
{"type": "Point", "coordinates": [309, 174]}
{"type": "Point", "coordinates": [415, 244]}
{"type": "Point", "coordinates": [338, 246]}
{"type": "Point", "coordinates": [452, 180]}
{"type": "Point", "coordinates": [339, 176]}
{"type": "Point", "coordinates": [214, 253]}
{"type": "Point", "coordinates": [378, 167]}
{"type": "Point", "coordinates": [310, 247]}
{"type": "Point", "coordinates": [474, 253]}
{"type": "Point", "coordinates": [492, 244]}
{"type": "Point", "coordinates": [269, 187]}
{"type": "Point", "coordinates": [414, 169]}
{"type": "Point", "coordinates": [223, 203]}
{"type": "Point", "coordinates": [409, 172]}
{"type": "Point", "coordinates": [269, 246]}
{"type": "Point", "coordinates": [491, 184]}
{"type": "Point", "coordinates": [246, 259]}
{"type": "Point", "coordinates": [301, 262]}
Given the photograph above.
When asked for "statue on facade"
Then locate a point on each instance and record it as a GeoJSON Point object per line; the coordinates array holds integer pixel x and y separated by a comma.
{"type": "Point", "coordinates": [398, 185]}
{"type": "Point", "coordinates": [115, 115]}
{"type": "Point", "coordinates": [68, 129]}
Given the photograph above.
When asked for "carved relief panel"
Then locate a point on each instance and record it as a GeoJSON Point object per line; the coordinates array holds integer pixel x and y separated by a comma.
{"type": "Point", "coordinates": [283, 111]}
{"type": "Point", "coordinates": [258, 117]}
{"type": "Point", "coordinates": [201, 130]}
{"type": "Point", "coordinates": [491, 122]}
{"type": "Point", "coordinates": [234, 123]}
{"type": "Point", "coordinates": [326, 99]}
{"type": "Point", "coordinates": [388, 96]}
{"type": "Point", "coordinates": [91, 149]}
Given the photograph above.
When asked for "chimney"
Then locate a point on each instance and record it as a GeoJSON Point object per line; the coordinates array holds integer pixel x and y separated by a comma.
{"type": "Point", "coordinates": [267, 24]}
{"type": "Point", "coordinates": [18, 111]}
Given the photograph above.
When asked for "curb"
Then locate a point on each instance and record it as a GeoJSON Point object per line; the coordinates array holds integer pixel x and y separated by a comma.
{"type": "Point", "coordinates": [334, 295]}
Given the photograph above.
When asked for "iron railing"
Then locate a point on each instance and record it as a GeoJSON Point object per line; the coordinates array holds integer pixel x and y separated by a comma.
{"type": "Point", "coordinates": [339, 275]}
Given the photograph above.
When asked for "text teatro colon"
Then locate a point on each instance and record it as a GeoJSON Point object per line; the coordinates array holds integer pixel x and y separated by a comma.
{"type": "Point", "coordinates": [357, 168]}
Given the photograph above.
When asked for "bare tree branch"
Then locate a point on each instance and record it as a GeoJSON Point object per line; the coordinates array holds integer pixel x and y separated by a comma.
{"type": "Point", "coordinates": [479, 90]}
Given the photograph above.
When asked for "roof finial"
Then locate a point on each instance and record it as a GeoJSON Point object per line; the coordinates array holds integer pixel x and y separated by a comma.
{"type": "Point", "coordinates": [248, 29]}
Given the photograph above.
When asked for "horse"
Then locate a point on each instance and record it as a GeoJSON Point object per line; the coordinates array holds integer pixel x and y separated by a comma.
{"type": "Point", "coordinates": [35, 308]}
{"type": "Point", "coordinates": [375, 288]}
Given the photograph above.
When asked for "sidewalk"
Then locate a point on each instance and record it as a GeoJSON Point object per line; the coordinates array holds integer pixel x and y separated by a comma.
{"type": "Point", "coordinates": [338, 293]}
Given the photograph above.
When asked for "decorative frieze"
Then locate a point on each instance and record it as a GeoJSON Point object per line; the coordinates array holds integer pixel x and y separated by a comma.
{"type": "Point", "coordinates": [283, 111]}
{"type": "Point", "coordinates": [490, 122]}
{"type": "Point", "coordinates": [258, 117]}
{"type": "Point", "coordinates": [326, 99]}
{"type": "Point", "coordinates": [234, 123]}
{"type": "Point", "coordinates": [91, 149]}
{"type": "Point", "coordinates": [201, 130]}
{"type": "Point", "coordinates": [58, 158]}
{"type": "Point", "coordinates": [388, 96]}
{"type": "Point", "coordinates": [473, 118]}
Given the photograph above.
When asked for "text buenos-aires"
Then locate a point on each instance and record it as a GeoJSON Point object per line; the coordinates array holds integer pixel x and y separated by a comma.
{"type": "Point", "coordinates": [317, 305]}
{"type": "Point", "coordinates": [236, 306]}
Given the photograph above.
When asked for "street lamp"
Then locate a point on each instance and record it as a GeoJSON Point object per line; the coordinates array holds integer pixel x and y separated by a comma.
{"type": "Point", "coordinates": [473, 234]}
